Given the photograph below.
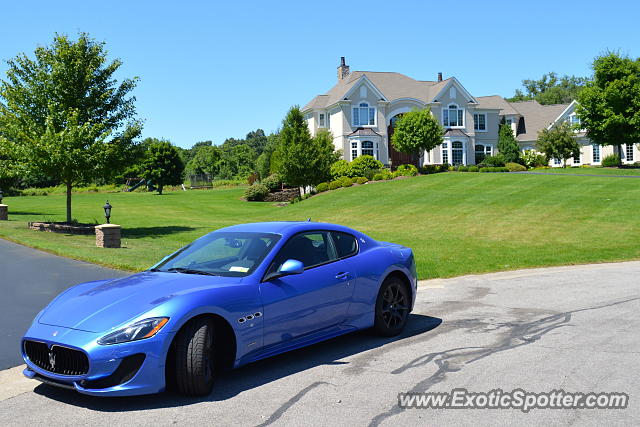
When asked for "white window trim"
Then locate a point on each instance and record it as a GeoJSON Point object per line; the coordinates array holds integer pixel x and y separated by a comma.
{"type": "Point", "coordinates": [475, 122]}
{"type": "Point", "coordinates": [446, 126]}
{"type": "Point", "coordinates": [353, 117]}
{"type": "Point", "coordinates": [322, 122]}
{"type": "Point", "coordinates": [358, 142]}
{"type": "Point", "coordinates": [626, 152]}
{"type": "Point", "coordinates": [593, 146]}
{"type": "Point", "coordinates": [449, 150]}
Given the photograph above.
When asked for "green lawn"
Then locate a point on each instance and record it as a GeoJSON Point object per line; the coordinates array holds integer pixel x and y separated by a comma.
{"type": "Point", "coordinates": [591, 171]}
{"type": "Point", "coordinates": [456, 223]}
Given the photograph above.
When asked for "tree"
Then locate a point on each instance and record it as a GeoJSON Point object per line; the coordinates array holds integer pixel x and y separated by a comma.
{"type": "Point", "coordinates": [263, 163]}
{"type": "Point", "coordinates": [508, 145]}
{"type": "Point", "coordinates": [558, 142]}
{"type": "Point", "coordinates": [65, 115]}
{"type": "Point", "coordinates": [301, 160]}
{"type": "Point", "coordinates": [417, 131]}
{"type": "Point", "coordinates": [551, 89]}
{"type": "Point", "coordinates": [205, 161]}
{"type": "Point", "coordinates": [257, 140]}
{"type": "Point", "coordinates": [609, 107]}
{"type": "Point", "coordinates": [162, 165]}
{"type": "Point", "coordinates": [236, 161]}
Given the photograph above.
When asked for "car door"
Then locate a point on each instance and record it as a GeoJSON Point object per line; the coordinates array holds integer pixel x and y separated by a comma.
{"type": "Point", "coordinates": [304, 303]}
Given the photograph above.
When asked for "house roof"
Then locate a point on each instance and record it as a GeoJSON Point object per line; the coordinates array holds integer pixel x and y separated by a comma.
{"type": "Point", "coordinates": [536, 117]}
{"type": "Point", "coordinates": [496, 102]}
{"type": "Point", "coordinates": [454, 132]}
{"type": "Point", "coordinates": [364, 132]}
{"type": "Point", "coordinates": [392, 85]}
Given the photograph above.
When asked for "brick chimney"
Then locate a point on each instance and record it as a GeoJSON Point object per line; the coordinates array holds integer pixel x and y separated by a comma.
{"type": "Point", "coordinates": [343, 69]}
{"type": "Point", "coordinates": [439, 77]}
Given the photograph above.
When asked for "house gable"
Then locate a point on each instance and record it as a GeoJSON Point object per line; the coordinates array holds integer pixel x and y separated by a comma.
{"type": "Point", "coordinates": [356, 91]}
{"type": "Point", "coordinates": [458, 90]}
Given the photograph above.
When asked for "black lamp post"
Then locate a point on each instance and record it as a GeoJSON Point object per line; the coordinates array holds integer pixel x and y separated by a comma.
{"type": "Point", "coordinates": [0, 196]}
{"type": "Point", "coordinates": [107, 211]}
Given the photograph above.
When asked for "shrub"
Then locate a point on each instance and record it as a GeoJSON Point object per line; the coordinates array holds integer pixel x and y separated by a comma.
{"type": "Point", "coordinates": [340, 168]}
{"type": "Point", "coordinates": [396, 174]}
{"type": "Point", "coordinates": [322, 187]}
{"type": "Point", "coordinates": [612, 160]}
{"type": "Point", "coordinates": [494, 169]}
{"type": "Point", "coordinates": [443, 167]}
{"type": "Point", "coordinates": [361, 180]}
{"type": "Point", "coordinates": [272, 182]}
{"type": "Point", "coordinates": [473, 169]}
{"type": "Point", "coordinates": [452, 168]}
{"type": "Point", "coordinates": [427, 169]}
{"type": "Point", "coordinates": [531, 159]}
{"type": "Point", "coordinates": [407, 170]}
{"type": "Point", "coordinates": [335, 185]}
{"type": "Point", "coordinates": [493, 161]}
{"type": "Point", "coordinates": [227, 183]}
{"type": "Point", "coordinates": [345, 181]}
{"type": "Point", "coordinates": [515, 167]}
{"type": "Point", "coordinates": [378, 177]}
{"type": "Point", "coordinates": [463, 168]}
{"type": "Point", "coordinates": [362, 165]}
{"type": "Point", "coordinates": [256, 192]}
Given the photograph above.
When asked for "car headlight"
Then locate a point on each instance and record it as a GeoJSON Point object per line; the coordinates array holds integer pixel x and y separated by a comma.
{"type": "Point", "coordinates": [135, 331]}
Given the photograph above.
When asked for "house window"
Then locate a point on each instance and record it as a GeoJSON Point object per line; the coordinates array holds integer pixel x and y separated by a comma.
{"type": "Point", "coordinates": [457, 153]}
{"type": "Point", "coordinates": [482, 151]}
{"type": "Point", "coordinates": [576, 160]}
{"type": "Point", "coordinates": [445, 152]}
{"type": "Point", "coordinates": [321, 122]}
{"type": "Point", "coordinates": [367, 148]}
{"type": "Point", "coordinates": [574, 120]}
{"type": "Point", "coordinates": [629, 152]}
{"type": "Point", "coordinates": [452, 116]}
{"type": "Point", "coordinates": [508, 122]}
{"type": "Point", "coordinates": [354, 150]}
{"type": "Point", "coordinates": [556, 161]}
{"type": "Point", "coordinates": [328, 120]}
{"type": "Point", "coordinates": [480, 122]}
{"type": "Point", "coordinates": [596, 153]}
{"type": "Point", "coordinates": [363, 115]}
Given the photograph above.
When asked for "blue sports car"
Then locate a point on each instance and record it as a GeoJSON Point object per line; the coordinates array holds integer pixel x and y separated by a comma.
{"type": "Point", "coordinates": [234, 296]}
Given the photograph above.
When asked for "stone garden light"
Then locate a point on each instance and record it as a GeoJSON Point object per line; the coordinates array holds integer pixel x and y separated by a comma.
{"type": "Point", "coordinates": [107, 211]}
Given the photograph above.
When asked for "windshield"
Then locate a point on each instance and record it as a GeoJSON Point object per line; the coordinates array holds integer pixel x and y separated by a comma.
{"type": "Point", "coordinates": [221, 254]}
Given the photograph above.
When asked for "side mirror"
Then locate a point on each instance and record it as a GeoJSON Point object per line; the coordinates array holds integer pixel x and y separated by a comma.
{"type": "Point", "coordinates": [291, 266]}
{"type": "Point", "coordinates": [288, 268]}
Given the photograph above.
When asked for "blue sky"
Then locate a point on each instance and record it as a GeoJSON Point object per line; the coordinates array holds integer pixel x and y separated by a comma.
{"type": "Point", "coordinates": [213, 70]}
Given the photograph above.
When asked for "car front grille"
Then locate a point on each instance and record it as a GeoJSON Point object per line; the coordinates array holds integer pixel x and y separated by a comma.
{"type": "Point", "coordinates": [58, 360]}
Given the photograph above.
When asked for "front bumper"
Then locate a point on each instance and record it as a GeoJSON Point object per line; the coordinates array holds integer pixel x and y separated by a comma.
{"type": "Point", "coordinates": [143, 361]}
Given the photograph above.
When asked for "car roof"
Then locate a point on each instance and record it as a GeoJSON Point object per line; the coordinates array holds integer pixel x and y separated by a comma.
{"type": "Point", "coordinates": [286, 227]}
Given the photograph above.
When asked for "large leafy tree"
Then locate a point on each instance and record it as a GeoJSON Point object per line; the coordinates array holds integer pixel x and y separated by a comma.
{"type": "Point", "coordinates": [609, 107]}
{"type": "Point", "coordinates": [205, 161]}
{"type": "Point", "coordinates": [302, 160]}
{"type": "Point", "coordinates": [508, 145]}
{"type": "Point", "coordinates": [551, 89]}
{"type": "Point", "coordinates": [162, 164]}
{"type": "Point", "coordinates": [63, 114]}
{"type": "Point", "coordinates": [558, 142]}
{"type": "Point", "coordinates": [264, 160]}
{"type": "Point", "coordinates": [237, 161]}
{"type": "Point", "coordinates": [417, 131]}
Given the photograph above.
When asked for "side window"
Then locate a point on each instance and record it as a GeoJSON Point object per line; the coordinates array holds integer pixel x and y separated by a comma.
{"type": "Point", "coordinates": [311, 249]}
{"type": "Point", "coordinates": [346, 244]}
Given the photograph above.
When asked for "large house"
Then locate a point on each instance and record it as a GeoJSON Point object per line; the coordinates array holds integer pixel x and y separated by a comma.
{"type": "Point", "coordinates": [362, 107]}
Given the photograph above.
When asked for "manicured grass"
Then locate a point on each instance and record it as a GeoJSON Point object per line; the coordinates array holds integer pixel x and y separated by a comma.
{"type": "Point", "coordinates": [456, 223]}
{"type": "Point", "coordinates": [591, 171]}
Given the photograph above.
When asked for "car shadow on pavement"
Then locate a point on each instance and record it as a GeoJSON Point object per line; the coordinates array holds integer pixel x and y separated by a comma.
{"type": "Point", "coordinates": [231, 383]}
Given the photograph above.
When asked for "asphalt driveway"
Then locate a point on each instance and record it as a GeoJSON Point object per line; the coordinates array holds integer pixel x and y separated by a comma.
{"type": "Point", "coordinates": [572, 328]}
{"type": "Point", "coordinates": [29, 279]}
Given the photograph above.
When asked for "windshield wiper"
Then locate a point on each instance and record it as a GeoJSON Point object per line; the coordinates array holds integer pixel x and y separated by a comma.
{"type": "Point", "coordinates": [190, 271]}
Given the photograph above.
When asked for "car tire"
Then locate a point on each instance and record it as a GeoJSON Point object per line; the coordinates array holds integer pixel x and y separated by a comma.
{"type": "Point", "coordinates": [392, 308]}
{"type": "Point", "coordinates": [194, 358]}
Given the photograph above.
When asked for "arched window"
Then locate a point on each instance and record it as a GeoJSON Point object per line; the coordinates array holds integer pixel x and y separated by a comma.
{"type": "Point", "coordinates": [457, 153]}
{"type": "Point", "coordinates": [367, 148]}
{"type": "Point", "coordinates": [453, 116]}
{"type": "Point", "coordinates": [364, 115]}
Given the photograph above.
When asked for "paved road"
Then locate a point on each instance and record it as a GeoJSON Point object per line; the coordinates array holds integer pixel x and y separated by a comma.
{"type": "Point", "coordinates": [29, 279]}
{"type": "Point", "coordinates": [574, 328]}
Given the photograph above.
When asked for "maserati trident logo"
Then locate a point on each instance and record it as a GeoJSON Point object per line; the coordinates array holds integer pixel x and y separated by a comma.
{"type": "Point", "coordinates": [52, 360]}
{"type": "Point", "coordinates": [55, 333]}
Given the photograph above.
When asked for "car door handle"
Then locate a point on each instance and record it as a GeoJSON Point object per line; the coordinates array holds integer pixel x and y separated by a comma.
{"type": "Point", "coordinates": [342, 275]}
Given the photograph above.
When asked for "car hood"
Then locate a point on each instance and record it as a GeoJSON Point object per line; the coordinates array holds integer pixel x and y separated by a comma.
{"type": "Point", "coordinates": [101, 306]}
